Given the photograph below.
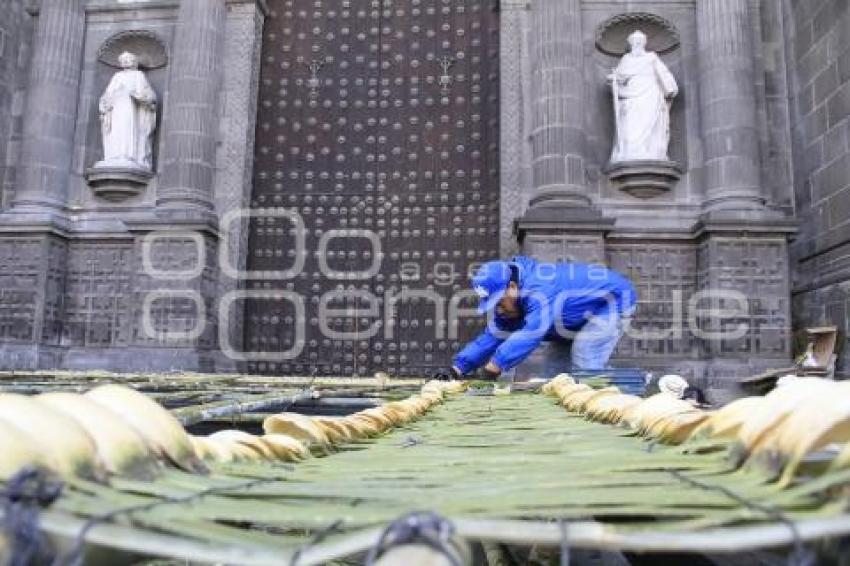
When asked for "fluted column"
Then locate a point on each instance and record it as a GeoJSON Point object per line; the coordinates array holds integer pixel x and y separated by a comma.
{"type": "Point", "coordinates": [728, 105]}
{"type": "Point", "coordinates": [190, 123]}
{"type": "Point", "coordinates": [558, 138]}
{"type": "Point", "coordinates": [51, 108]}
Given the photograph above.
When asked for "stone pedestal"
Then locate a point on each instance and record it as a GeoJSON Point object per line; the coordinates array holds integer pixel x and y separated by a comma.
{"type": "Point", "coordinates": [744, 311]}
{"type": "Point", "coordinates": [117, 184]}
{"type": "Point", "coordinates": [564, 234]}
{"type": "Point", "coordinates": [644, 179]}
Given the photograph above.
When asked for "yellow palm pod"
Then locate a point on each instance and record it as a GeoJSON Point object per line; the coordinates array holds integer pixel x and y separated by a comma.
{"type": "Point", "coordinates": [432, 398]}
{"type": "Point", "coordinates": [335, 432]}
{"type": "Point", "coordinates": [365, 426]}
{"type": "Point", "coordinates": [202, 448]}
{"type": "Point", "coordinates": [822, 420]}
{"type": "Point", "coordinates": [377, 413]}
{"type": "Point", "coordinates": [574, 400]}
{"type": "Point", "coordinates": [380, 424]}
{"type": "Point", "coordinates": [155, 423]}
{"type": "Point", "coordinates": [617, 414]}
{"type": "Point", "coordinates": [577, 402]}
{"type": "Point", "coordinates": [249, 440]}
{"type": "Point", "coordinates": [562, 379]}
{"type": "Point", "coordinates": [675, 429]}
{"type": "Point", "coordinates": [21, 450]}
{"type": "Point", "coordinates": [121, 448]}
{"type": "Point", "coordinates": [432, 392]}
{"type": "Point", "coordinates": [661, 413]}
{"type": "Point", "coordinates": [777, 405]}
{"type": "Point", "coordinates": [405, 409]}
{"type": "Point", "coordinates": [419, 403]}
{"type": "Point", "coordinates": [286, 448]}
{"type": "Point", "coordinates": [220, 452]}
{"type": "Point", "coordinates": [616, 406]}
{"type": "Point", "coordinates": [71, 449]}
{"type": "Point", "coordinates": [344, 425]}
{"type": "Point", "coordinates": [234, 451]}
{"type": "Point", "coordinates": [563, 392]}
{"type": "Point", "coordinates": [727, 421]}
{"type": "Point", "coordinates": [393, 413]}
{"type": "Point", "coordinates": [297, 426]}
{"type": "Point", "coordinates": [657, 406]}
{"type": "Point", "coordinates": [610, 408]}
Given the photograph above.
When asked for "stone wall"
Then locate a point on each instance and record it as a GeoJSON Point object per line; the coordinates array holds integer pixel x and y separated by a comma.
{"type": "Point", "coordinates": [819, 79]}
{"type": "Point", "coordinates": [123, 283]}
{"type": "Point", "coordinates": [15, 34]}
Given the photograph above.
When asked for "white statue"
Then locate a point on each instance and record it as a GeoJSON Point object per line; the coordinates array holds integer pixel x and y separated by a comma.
{"type": "Point", "coordinates": [128, 117]}
{"type": "Point", "coordinates": [644, 90]}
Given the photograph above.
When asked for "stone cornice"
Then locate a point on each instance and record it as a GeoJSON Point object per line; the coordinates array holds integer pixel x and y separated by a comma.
{"type": "Point", "coordinates": [94, 6]}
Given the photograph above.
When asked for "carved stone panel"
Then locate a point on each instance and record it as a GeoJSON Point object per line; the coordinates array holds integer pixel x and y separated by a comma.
{"type": "Point", "coordinates": [97, 296]}
{"type": "Point", "coordinates": [665, 276]}
{"type": "Point", "coordinates": [20, 277]}
{"type": "Point", "coordinates": [753, 274]}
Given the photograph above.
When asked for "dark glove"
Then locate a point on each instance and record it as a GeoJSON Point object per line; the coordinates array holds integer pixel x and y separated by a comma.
{"type": "Point", "coordinates": [481, 374]}
{"type": "Point", "coordinates": [450, 374]}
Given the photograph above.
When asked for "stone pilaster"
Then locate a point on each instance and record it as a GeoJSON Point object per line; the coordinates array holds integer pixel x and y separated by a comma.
{"type": "Point", "coordinates": [191, 115]}
{"type": "Point", "coordinates": [51, 108]}
{"type": "Point", "coordinates": [512, 63]}
{"type": "Point", "coordinates": [728, 106]}
{"type": "Point", "coordinates": [558, 136]}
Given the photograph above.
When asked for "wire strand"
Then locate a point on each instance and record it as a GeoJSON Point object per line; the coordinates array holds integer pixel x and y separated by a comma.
{"type": "Point", "coordinates": [800, 555]}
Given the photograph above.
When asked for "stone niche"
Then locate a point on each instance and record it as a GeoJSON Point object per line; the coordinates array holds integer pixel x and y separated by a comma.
{"type": "Point", "coordinates": [117, 184]}
{"type": "Point", "coordinates": [644, 178]}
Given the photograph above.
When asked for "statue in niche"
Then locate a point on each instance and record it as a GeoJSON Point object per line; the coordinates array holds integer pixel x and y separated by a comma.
{"type": "Point", "coordinates": [644, 90]}
{"type": "Point", "coordinates": [128, 118]}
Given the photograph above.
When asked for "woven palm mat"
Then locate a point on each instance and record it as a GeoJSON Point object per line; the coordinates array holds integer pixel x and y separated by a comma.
{"type": "Point", "coordinates": [519, 457]}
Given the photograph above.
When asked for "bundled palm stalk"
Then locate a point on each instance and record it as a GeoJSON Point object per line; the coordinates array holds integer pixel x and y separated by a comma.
{"type": "Point", "coordinates": [292, 437]}
{"type": "Point", "coordinates": [774, 433]}
{"type": "Point", "coordinates": [114, 430]}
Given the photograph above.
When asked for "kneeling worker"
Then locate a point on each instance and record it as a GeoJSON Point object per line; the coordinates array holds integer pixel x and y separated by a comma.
{"type": "Point", "coordinates": [531, 301]}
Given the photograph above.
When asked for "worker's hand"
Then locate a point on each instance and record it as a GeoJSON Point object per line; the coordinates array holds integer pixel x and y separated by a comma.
{"type": "Point", "coordinates": [493, 369]}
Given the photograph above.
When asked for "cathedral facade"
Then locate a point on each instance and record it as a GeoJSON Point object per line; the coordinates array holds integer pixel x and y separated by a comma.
{"type": "Point", "coordinates": [322, 174]}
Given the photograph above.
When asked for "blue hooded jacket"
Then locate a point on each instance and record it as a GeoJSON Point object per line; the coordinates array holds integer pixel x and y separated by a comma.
{"type": "Point", "coordinates": [555, 299]}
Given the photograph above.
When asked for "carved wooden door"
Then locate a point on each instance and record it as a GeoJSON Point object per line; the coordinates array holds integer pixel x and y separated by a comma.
{"type": "Point", "coordinates": [377, 125]}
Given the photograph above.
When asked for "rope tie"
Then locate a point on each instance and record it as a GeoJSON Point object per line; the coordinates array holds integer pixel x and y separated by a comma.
{"type": "Point", "coordinates": [317, 538]}
{"type": "Point", "coordinates": [26, 493]}
{"type": "Point", "coordinates": [426, 528]}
